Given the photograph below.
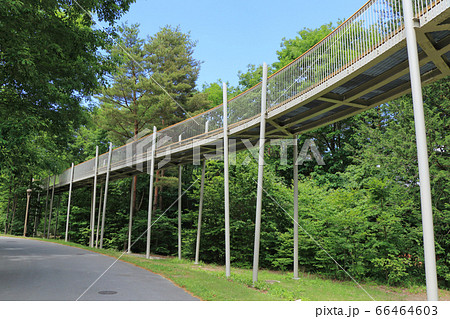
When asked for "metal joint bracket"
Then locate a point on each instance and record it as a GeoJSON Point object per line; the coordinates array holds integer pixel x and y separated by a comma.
{"type": "Point", "coordinates": [416, 23]}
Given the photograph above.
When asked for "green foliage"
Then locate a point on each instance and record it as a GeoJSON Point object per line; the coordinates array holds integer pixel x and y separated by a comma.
{"type": "Point", "coordinates": [396, 269]}
{"type": "Point", "coordinates": [253, 76]}
{"type": "Point", "coordinates": [50, 61]}
{"type": "Point", "coordinates": [152, 85]}
{"type": "Point", "coordinates": [214, 92]}
{"type": "Point", "coordinates": [361, 210]}
{"type": "Point", "coordinates": [306, 39]}
{"type": "Point", "coordinates": [242, 209]}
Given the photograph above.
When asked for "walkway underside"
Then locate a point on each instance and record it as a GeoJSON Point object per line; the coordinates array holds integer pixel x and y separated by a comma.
{"type": "Point", "coordinates": [378, 77]}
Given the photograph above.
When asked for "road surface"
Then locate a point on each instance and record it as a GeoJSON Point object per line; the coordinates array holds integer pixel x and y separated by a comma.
{"type": "Point", "coordinates": [37, 270]}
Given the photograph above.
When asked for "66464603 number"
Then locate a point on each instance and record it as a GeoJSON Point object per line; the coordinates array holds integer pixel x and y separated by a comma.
{"type": "Point", "coordinates": [406, 310]}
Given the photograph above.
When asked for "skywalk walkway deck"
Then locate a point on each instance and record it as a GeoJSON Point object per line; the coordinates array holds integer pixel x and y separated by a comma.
{"type": "Point", "coordinates": [360, 65]}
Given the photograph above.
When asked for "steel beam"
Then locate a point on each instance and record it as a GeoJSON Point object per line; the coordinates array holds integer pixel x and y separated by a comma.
{"type": "Point", "coordinates": [422, 153]}
{"type": "Point", "coordinates": [279, 128]}
{"type": "Point", "coordinates": [431, 52]}
{"type": "Point", "coordinates": [262, 137]}
{"type": "Point", "coordinates": [150, 193]}
{"type": "Point", "coordinates": [108, 170]}
{"type": "Point", "coordinates": [68, 203]}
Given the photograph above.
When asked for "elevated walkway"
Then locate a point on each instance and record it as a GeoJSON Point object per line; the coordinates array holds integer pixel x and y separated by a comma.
{"type": "Point", "coordinates": [361, 64]}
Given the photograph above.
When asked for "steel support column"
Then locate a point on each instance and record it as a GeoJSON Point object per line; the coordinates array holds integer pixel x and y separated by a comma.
{"type": "Point", "coordinates": [130, 223]}
{"type": "Point", "coordinates": [226, 182]}
{"type": "Point", "coordinates": [150, 193]}
{"type": "Point", "coordinates": [51, 207]}
{"type": "Point", "coordinates": [200, 206]}
{"type": "Point", "coordinates": [422, 153]}
{"type": "Point", "coordinates": [262, 136]}
{"type": "Point", "coordinates": [180, 170]}
{"type": "Point", "coordinates": [108, 168]}
{"type": "Point", "coordinates": [295, 208]}
{"type": "Point", "coordinates": [94, 195]}
{"type": "Point", "coordinates": [68, 203]}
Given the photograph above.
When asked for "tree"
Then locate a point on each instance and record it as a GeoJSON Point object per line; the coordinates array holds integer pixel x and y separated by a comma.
{"type": "Point", "coordinates": [306, 39]}
{"type": "Point", "coordinates": [153, 84]}
{"type": "Point", "coordinates": [171, 63]}
{"type": "Point", "coordinates": [214, 92]}
{"type": "Point", "coordinates": [385, 164]}
{"type": "Point", "coordinates": [253, 76]}
{"type": "Point", "coordinates": [126, 103]}
{"type": "Point", "coordinates": [49, 62]}
{"type": "Point", "coordinates": [242, 209]}
{"type": "Point", "coordinates": [330, 139]}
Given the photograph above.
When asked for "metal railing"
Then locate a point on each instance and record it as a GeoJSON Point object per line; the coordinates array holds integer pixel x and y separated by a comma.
{"type": "Point", "coordinates": [370, 28]}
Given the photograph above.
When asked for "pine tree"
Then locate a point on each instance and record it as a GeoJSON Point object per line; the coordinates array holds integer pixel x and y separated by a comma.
{"type": "Point", "coordinates": [153, 84]}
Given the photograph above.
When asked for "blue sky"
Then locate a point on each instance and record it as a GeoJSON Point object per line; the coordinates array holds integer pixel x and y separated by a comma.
{"type": "Point", "coordinates": [234, 33]}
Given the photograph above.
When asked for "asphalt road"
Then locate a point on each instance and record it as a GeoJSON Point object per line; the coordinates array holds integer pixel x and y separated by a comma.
{"type": "Point", "coordinates": [36, 270]}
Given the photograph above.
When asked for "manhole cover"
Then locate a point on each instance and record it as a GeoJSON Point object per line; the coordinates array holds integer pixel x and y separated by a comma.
{"type": "Point", "coordinates": [107, 292]}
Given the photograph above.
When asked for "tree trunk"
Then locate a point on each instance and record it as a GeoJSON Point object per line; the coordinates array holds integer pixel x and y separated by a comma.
{"type": "Point", "coordinates": [160, 193]}
{"type": "Point", "coordinates": [37, 215]}
{"type": "Point", "coordinates": [156, 191]}
{"type": "Point", "coordinates": [57, 215]}
{"type": "Point", "coordinates": [7, 210]}
{"type": "Point", "coordinates": [14, 213]}
{"type": "Point", "coordinates": [140, 202]}
{"type": "Point", "coordinates": [26, 224]}
{"type": "Point", "coordinates": [46, 207]}
{"type": "Point", "coordinates": [134, 194]}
